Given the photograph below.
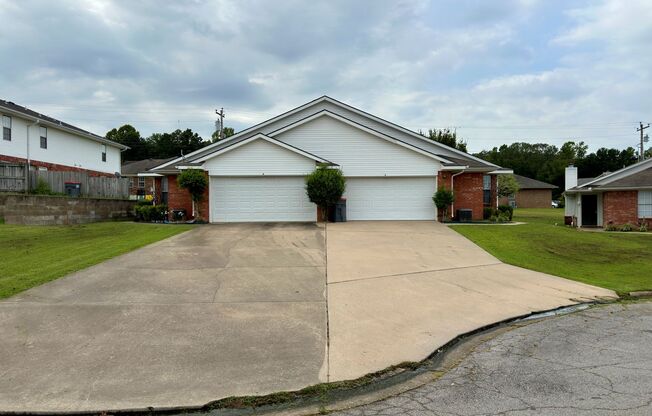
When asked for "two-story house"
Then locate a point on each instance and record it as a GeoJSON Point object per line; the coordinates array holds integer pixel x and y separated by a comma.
{"type": "Point", "coordinates": [46, 143]}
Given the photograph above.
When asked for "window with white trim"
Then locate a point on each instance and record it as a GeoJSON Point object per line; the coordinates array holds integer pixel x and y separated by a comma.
{"type": "Point", "coordinates": [44, 137]}
{"type": "Point", "coordinates": [6, 128]}
{"type": "Point", "coordinates": [645, 204]}
{"type": "Point", "coordinates": [103, 153]}
{"type": "Point", "coordinates": [141, 181]}
{"type": "Point", "coordinates": [486, 190]}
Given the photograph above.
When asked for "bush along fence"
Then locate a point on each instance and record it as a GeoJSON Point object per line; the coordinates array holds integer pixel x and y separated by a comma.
{"type": "Point", "coordinates": [12, 179]}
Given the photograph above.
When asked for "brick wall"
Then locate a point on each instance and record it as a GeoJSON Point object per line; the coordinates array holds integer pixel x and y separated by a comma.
{"type": "Point", "coordinates": [180, 199]}
{"type": "Point", "coordinates": [620, 207]}
{"type": "Point", "coordinates": [469, 194]}
{"type": "Point", "coordinates": [58, 210]}
{"type": "Point", "coordinates": [468, 191]}
{"type": "Point", "coordinates": [53, 166]}
{"type": "Point", "coordinates": [531, 198]}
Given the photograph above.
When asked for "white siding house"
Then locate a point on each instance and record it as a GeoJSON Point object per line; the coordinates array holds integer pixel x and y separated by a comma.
{"type": "Point", "coordinates": [391, 172]}
{"type": "Point", "coordinates": [54, 142]}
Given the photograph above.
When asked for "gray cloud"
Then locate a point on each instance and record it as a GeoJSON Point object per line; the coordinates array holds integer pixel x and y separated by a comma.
{"type": "Point", "coordinates": [163, 65]}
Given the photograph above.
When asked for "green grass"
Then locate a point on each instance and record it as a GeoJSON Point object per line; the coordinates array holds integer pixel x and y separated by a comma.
{"type": "Point", "coordinates": [33, 255]}
{"type": "Point", "coordinates": [617, 261]}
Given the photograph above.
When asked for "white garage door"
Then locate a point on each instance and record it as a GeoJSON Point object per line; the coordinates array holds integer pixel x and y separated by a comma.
{"type": "Point", "coordinates": [390, 198]}
{"type": "Point", "coordinates": [243, 199]}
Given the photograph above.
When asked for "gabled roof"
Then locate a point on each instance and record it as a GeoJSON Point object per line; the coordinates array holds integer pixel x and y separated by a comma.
{"type": "Point", "coordinates": [234, 145]}
{"type": "Point", "coordinates": [638, 175]}
{"type": "Point", "coordinates": [467, 158]}
{"type": "Point", "coordinates": [47, 121]}
{"type": "Point", "coordinates": [528, 183]}
{"type": "Point", "coordinates": [326, 113]}
{"type": "Point", "coordinates": [136, 166]}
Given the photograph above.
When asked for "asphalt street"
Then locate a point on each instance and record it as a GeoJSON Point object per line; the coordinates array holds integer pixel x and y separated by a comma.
{"type": "Point", "coordinates": [594, 362]}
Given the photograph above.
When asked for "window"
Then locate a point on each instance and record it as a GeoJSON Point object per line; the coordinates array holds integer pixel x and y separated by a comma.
{"type": "Point", "coordinates": [103, 153]}
{"type": "Point", "coordinates": [486, 190]}
{"type": "Point", "coordinates": [645, 204]}
{"type": "Point", "coordinates": [44, 137]}
{"type": "Point", "coordinates": [6, 128]}
{"type": "Point", "coordinates": [141, 181]}
{"type": "Point", "coordinates": [131, 182]}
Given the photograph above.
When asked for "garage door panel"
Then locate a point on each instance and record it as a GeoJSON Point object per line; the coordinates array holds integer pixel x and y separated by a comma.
{"type": "Point", "coordinates": [255, 199]}
{"type": "Point", "coordinates": [390, 198]}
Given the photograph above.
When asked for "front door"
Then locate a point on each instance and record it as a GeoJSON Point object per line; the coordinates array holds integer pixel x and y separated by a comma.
{"type": "Point", "coordinates": [589, 210]}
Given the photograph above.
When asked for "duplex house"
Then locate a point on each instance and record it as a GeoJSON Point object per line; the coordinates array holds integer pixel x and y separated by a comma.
{"type": "Point", "coordinates": [613, 198]}
{"type": "Point", "coordinates": [46, 143]}
{"type": "Point", "coordinates": [392, 173]}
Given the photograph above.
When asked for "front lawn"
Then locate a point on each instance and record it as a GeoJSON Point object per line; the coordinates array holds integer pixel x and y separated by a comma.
{"type": "Point", "coordinates": [618, 261]}
{"type": "Point", "coordinates": [32, 255]}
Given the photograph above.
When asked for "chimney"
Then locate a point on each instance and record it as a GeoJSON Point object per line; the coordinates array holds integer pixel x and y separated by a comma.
{"type": "Point", "coordinates": [571, 177]}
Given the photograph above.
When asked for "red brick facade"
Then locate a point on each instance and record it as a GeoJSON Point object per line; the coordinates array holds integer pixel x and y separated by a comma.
{"type": "Point", "coordinates": [531, 198]}
{"type": "Point", "coordinates": [621, 207]}
{"type": "Point", "coordinates": [53, 166]}
{"type": "Point", "coordinates": [180, 199]}
{"type": "Point", "coordinates": [468, 191]}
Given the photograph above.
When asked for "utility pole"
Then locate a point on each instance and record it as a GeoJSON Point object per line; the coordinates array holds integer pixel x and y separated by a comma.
{"type": "Point", "coordinates": [221, 114]}
{"type": "Point", "coordinates": [641, 129]}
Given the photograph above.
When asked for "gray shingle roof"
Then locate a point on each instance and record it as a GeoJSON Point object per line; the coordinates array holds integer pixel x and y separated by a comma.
{"type": "Point", "coordinates": [528, 183]}
{"type": "Point", "coordinates": [636, 180]}
{"type": "Point", "coordinates": [137, 166]}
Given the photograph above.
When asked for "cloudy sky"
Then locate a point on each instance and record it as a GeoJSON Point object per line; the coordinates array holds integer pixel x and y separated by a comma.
{"type": "Point", "coordinates": [497, 71]}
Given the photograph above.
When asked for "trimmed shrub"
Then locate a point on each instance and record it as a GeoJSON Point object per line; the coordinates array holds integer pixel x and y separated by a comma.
{"type": "Point", "coordinates": [324, 187]}
{"type": "Point", "coordinates": [626, 227]}
{"type": "Point", "coordinates": [151, 213]}
{"type": "Point", "coordinates": [443, 198]}
{"type": "Point", "coordinates": [488, 212]}
{"type": "Point", "coordinates": [507, 210]}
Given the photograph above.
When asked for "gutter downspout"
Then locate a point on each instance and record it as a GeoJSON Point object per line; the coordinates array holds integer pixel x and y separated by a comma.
{"type": "Point", "coordinates": [453, 189]}
{"type": "Point", "coordinates": [29, 126]}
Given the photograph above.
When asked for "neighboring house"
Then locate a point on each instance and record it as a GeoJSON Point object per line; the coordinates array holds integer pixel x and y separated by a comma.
{"type": "Point", "coordinates": [143, 184]}
{"type": "Point", "coordinates": [617, 198]}
{"type": "Point", "coordinates": [531, 194]}
{"type": "Point", "coordinates": [392, 173]}
{"type": "Point", "coordinates": [49, 144]}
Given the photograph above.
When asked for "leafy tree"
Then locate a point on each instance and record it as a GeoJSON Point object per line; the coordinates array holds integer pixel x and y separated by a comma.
{"type": "Point", "coordinates": [164, 145]}
{"type": "Point", "coordinates": [506, 186]}
{"type": "Point", "coordinates": [443, 198]}
{"type": "Point", "coordinates": [605, 160]}
{"type": "Point", "coordinates": [195, 182]}
{"type": "Point", "coordinates": [129, 136]}
{"type": "Point", "coordinates": [447, 137]}
{"type": "Point", "coordinates": [228, 132]}
{"type": "Point", "coordinates": [325, 187]}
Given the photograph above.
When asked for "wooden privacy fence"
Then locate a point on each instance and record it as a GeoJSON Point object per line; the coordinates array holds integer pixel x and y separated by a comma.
{"type": "Point", "coordinates": [12, 179]}
{"type": "Point", "coordinates": [89, 186]}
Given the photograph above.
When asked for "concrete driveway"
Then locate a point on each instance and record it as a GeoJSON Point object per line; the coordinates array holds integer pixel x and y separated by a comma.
{"type": "Point", "coordinates": [215, 312]}
{"type": "Point", "coordinates": [251, 309]}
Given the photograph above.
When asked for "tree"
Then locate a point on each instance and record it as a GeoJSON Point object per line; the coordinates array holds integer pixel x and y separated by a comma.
{"type": "Point", "coordinates": [443, 198]}
{"type": "Point", "coordinates": [325, 187]}
{"type": "Point", "coordinates": [129, 136]}
{"type": "Point", "coordinates": [195, 182]}
{"type": "Point", "coordinates": [506, 186]}
{"type": "Point", "coordinates": [164, 145]}
{"type": "Point", "coordinates": [447, 137]}
{"type": "Point", "coordinates": [228, 132]}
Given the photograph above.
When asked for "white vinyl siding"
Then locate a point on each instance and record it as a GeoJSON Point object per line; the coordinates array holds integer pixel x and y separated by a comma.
{"type": "Point", "coordinates": [357, 152]}
{"type": "Point", "coordinates": [63, 148]}
{"type": "Point", "coordinates": [257, 158]}
{"type": "Point", "coordinates": [256, 199]}
{"type": "Point", "coordinates": [390, 199]}
{"type": "Point", "coordinates": [645, 204]}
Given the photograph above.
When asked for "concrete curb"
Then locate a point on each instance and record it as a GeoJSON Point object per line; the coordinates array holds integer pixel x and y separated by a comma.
{"type": "Point", "coordinates": [329, 397]}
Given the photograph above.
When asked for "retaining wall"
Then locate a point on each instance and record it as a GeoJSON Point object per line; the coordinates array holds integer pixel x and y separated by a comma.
{"type": "Point", "coordinates": [56, 210]}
